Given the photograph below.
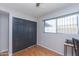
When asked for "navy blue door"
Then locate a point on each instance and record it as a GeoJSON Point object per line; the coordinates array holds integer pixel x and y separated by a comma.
{"type": "Point", "coordinates": [24, 33]}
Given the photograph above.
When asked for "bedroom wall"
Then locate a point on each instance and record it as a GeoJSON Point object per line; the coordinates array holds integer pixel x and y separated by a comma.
{"type": "Point", "coordinates": [0, 34]}
{"type": "Point", "coordinates": [4, 32]}
{"type": "Point", "coordinates": [55, 41]}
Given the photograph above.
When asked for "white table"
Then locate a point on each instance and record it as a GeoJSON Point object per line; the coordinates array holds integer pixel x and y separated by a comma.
{"type": "Point", "coordinates": [65, 48]}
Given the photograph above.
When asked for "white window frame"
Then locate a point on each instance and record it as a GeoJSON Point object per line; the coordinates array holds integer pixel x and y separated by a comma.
{"type": "Point", "coordinates": [63, 17]}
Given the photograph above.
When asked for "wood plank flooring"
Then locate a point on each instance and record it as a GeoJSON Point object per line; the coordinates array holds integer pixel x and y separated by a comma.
{"type": "Point", "coordinates": [36, 50]}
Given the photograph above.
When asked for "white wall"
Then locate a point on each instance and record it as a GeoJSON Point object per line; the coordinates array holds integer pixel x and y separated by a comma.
{"type": "Point", "coordinates": [0, 34]}
{"type": "Point", "coordinates": [55, 41]}
{"type": "Point", "coordinates": [4, 31]}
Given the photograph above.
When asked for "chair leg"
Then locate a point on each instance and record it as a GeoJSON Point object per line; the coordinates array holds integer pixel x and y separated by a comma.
{"type": "Point", "coordinates": [65, 50]}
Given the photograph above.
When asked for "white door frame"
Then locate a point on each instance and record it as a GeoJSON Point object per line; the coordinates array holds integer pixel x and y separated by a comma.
{"type": "Point", "coordinates": [10, 35]}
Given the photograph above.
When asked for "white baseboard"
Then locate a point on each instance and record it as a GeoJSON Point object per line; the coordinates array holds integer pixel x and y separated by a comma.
{"type": "Point", "coordinates": [51, 49]}
{"type": "Point", "coordinates": [3, 50]}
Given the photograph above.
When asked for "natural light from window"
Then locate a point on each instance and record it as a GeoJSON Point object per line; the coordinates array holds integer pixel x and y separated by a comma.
{"type": "Point", "coordinates": [66, 24]}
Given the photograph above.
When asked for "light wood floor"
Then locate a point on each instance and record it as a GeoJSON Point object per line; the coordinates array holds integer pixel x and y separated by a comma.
{"type": "Point", "coordinates": [36, 50]}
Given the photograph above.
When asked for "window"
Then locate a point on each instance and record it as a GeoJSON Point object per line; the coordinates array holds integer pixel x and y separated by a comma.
{"type": "Point", "coordinates": [60, 25]}
{"type": "Point", "coordinates": [66, 24]}
{"type": "Point", "coordinates": [50, 26]}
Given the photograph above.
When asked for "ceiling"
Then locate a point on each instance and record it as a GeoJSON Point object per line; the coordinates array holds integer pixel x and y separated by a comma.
{"type": "Point", "coordinates": [32, 10]}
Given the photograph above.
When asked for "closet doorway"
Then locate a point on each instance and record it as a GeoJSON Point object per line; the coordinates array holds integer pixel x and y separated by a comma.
{"type": "Point", "coordinates": [23, 34]}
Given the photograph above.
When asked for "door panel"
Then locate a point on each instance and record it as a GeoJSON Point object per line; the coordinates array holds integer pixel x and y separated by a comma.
{"type": "Point", "coordinates": [24, 34]}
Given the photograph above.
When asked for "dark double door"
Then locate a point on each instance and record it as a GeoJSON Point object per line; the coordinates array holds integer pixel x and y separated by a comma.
{"type": "Point", "coordinates": [24, 34]}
